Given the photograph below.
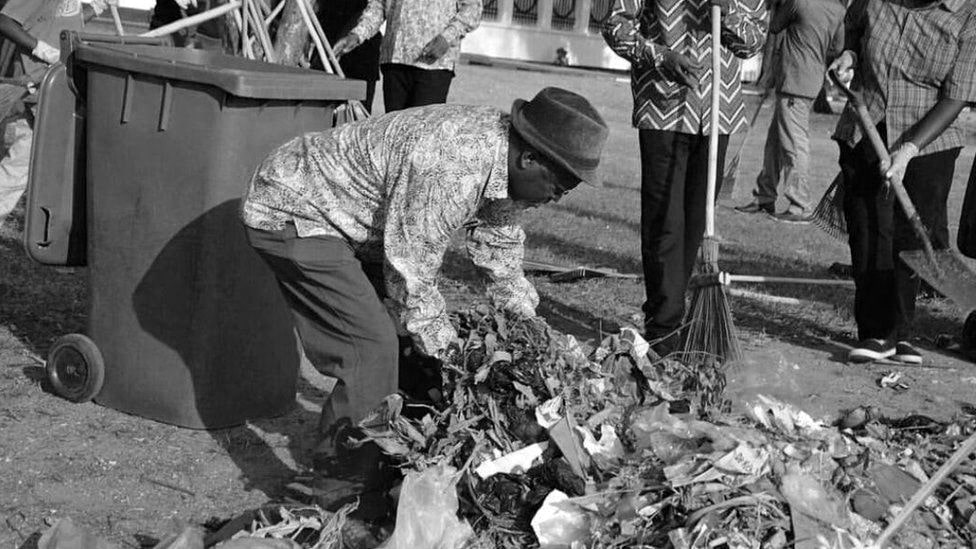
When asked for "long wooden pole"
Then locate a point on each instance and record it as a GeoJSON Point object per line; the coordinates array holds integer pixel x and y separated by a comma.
{"type": "Point", "coordinates": [926, 490]}
{"type": "Point", "coordinates": [193, 20]}
{"type": "Point", "coordinates": [117, 19]}
{"type": "Point", "coordinates": [714, 121]}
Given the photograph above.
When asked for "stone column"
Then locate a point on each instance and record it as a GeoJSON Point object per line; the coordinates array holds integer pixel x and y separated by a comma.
{"type": "Point", "coordinates": [583, 8]}
{"type": "Point", "coordinates": [505, 10]}
{"type": "Point", "coordinates": [544, 14]}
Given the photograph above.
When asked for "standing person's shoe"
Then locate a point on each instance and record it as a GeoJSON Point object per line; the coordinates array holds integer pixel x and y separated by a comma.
{"type": "Point", "coordinates": [906, 353]}
{"type": "Point", "coordinates": [756, 207]}
{"type": "Point", "coordinates": [869, 350]}
{"type": "Point", "coordinates": [794, 218]}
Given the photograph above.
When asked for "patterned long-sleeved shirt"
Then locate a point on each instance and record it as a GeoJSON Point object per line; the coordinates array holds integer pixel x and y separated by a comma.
{"type": "Point", "coordinates": [641, 31]}
{"type": "Point", "coordinates": [908, 59]}
{"type": "Point", "coordinates": [411, 24]}
{"type": "Point", "coordinates": [397, 187]}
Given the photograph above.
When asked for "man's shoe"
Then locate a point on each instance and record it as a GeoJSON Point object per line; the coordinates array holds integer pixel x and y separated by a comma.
{"type": "Point", "coordinates": [794, 218]}
{"type": "Point", "coordinates": [756, 207]}
{"type": "Point", "coordinates": [906, 353]}
{"type": "Point", "coordinates": [869, 350]}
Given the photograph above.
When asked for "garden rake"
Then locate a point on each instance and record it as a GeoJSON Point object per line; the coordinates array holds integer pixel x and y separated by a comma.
{"type": "Point", "coordinates": [828, 216]}
{"type": "Point", "coordinates": [710, 329]}
{"type": "Point", "coordinates": [945, 270]}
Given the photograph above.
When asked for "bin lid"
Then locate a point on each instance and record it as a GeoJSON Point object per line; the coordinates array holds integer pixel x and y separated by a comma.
{"type": "Point", "coordinates": [235, 75]}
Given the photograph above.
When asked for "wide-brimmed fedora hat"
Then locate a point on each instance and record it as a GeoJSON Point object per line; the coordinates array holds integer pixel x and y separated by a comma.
{"type": "Point", "coordinates": [565, 128]}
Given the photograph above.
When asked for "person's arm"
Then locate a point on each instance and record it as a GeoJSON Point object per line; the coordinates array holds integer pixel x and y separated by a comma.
{"type": "Point", "coordinates": [368, 25]}
{"type": "Point", "coordinates": [435, 195]}
{"type": "Point", "coordinates": [467, 19]}
{"type": "Point", "coordinates": [836, 46]}
{"type": "Point", "coordinates": [958, 90]}
{"type": "Point", "coordinates": [13, 31]}
{"type": "Point", "coordinates": [744, 26]}
{"type": "Point", "coordinates": [854, 25]}
{"type": "Point", "coordinates": [623, 33]}
{"type": "Point", "coordinates": [498, 253]}
{"type": "Point", "coordinates": [464, 21]}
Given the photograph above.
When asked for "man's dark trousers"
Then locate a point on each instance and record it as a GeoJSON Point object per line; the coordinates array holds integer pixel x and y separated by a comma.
{"type": "Point", "coordinates": [405, 86]}
{"type": "Point", "coordinates": [344, 328]}
{"type": "Point", "coordinates": [674, 176]}
{"type": "Point", "coordinates": [878, 230]}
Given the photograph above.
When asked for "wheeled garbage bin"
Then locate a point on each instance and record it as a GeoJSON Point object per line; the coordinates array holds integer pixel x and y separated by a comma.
{"type": "Point", "coordinates": [186, 324]}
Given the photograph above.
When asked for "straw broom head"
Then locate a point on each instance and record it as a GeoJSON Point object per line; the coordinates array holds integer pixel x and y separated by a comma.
{"type": "Point", "coordinates": [711, 332]}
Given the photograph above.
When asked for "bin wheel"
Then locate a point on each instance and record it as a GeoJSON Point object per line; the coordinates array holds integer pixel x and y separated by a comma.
{"type": "Point", "coordinates": [75, 368]}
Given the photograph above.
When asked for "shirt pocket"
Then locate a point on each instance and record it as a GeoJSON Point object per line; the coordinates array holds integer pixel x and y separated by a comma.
{"type": "Point", "coordinates": [932, 56]}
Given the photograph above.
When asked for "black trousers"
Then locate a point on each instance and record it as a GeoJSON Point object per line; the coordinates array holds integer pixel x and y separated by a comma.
{"type": "Point", "coordinates": [878, 230]}
{"type": "Point", "coordinates": [344, 328]}
{"type": "Point", "coordinates": [674, 175]}
{"type": "Point", "coordinates": [405, 86]}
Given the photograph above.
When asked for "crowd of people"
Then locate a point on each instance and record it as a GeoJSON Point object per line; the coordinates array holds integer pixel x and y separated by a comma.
{"type": "Point", "coordinates": [354, 221]}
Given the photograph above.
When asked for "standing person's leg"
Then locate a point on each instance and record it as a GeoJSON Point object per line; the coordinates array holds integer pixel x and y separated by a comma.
{"type": "Point", "coordinates": [795, 143]}
{"type": "Point", "coordinates": [14, 166]}
{"type": "Point", "coordinates": [764, 195]}
{"type": "Point", "coordinates": [928, 180]}
{"type": "Point", "coordinates": [397, 86]}
{"type": "Point", "coordinates": [695, 189]}
{"type": "Point", "coordinates": [344, 328]}
{"type": "Point", "coordinates": [663, 168]}
{"type": "Point", "coordinates": [869, 214]}
{"type": "Point", "coordinates": [430, 87]}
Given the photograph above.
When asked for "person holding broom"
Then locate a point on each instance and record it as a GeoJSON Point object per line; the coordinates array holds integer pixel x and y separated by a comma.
{"type": "Point", "coordinates": [914, 62]}
{"type": "Point", "coordinates": [668, 45]}
{"type": "Point", "coordinates": [355, 221]}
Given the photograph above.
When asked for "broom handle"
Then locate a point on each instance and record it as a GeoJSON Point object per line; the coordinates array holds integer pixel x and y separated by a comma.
{"type": "Point", "coordinates": [325, 42]}
{"type": "Point", "coordinates": [881, 149]}
{"type": "Point", "coordinates": [117, 19]}
{"type": "Point", "coordinates": [790, 280]}
{"type": "Point", "coordinates": [193, 20]}
{"type": "Point", "coordinates": [713, 135]}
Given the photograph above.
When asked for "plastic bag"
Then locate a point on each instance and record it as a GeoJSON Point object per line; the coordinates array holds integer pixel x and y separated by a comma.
{"type": "Point", "coordinates": [427, 512]}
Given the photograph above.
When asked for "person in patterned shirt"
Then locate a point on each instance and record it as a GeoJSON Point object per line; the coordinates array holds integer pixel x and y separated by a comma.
{"type": "Point", "coordinates": [914, 62]}
{"type": "Point", "coordinates": [668, 43]}
{"type": "Point", "coordinates": [363, 213]}
{"type": "Point", "coordinates": [34, 26]}
{"type": "Point", "coordinates": [420, 49]}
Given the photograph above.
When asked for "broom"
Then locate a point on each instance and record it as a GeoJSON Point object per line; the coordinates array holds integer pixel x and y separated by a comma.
{"type": "Point", "coordinates": [710, 328]}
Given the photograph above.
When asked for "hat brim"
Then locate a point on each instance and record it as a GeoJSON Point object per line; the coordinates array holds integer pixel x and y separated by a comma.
{"type": "Point", "coordinates": [528, 133]}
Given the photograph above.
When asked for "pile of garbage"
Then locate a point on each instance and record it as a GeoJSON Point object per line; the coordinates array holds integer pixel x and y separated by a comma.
{"type": "Point", "coordinates": [535, 441]}
{"type": "Point", "coordinates": [543, 443]}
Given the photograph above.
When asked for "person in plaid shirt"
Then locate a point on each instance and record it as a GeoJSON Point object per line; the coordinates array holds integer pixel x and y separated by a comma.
{"type": "Point", "coordinates": [915, 64]}
{"type": "Point", "coordinates": [668, 43]}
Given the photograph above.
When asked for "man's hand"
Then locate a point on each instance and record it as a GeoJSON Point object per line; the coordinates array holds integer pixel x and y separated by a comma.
{"type": "Point", "coordinates": [346, 44]}
{"type": "Point", "coordinates": [186, 3]}
{"type": "Point", "coordinates": [843, 66]}
{"type": "Point", "coordinates": [434, 50]}
{"type": "Point", "coordinates": [726, 5]}
{"type": "Point", "coordinates": [895, 169]}
{"type": "Point", "coordinates": [681, 68]}
{"type": "Point", "coordinates": [46, 52]}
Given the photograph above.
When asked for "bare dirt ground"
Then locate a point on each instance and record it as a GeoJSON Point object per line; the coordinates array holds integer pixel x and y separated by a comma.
{"type": "Point", "coordinates": [133, 480]}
